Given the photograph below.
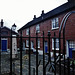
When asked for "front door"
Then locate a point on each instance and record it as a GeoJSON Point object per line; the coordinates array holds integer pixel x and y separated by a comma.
{"type": "Point", "coordinates": [46, 46]}
{"type": "Point", "coordinates": [71, 47]}
{"type": "Point", "coordinates": [4, 45]}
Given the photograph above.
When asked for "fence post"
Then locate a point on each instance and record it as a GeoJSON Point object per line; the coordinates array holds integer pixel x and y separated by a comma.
{"type": "Point", "coordinates": [21, 52]}
{"type": "Point", "coordinates": [60, 53]}
{"type": "Point", "coordinates": [29, 55]}
{"type": "Point", "coordinates": [64, 49]}
{"type": "Point", "coordinates": [33, 71]}
{"type": "Point", "coordinates": [36, 52]}
{"type": "Point", "coordinates": [49, 34]}
{"type": "Point", "coordinates": [68, 65]}
{"type": "Point", "coordinates": [14, 68]}
{"type": "Point", "coordinates": [73, 67]}
{"type": "Point", "coordinates": [11, 54]}
{"type": "Point", "coordinates": [55, 53]}
{"type": "Point", "coordinates": [44, 72]}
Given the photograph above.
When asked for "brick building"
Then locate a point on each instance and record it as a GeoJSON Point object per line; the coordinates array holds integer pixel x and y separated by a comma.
{"type": "Point", "coordinates": [5, 37]}
{"type": "Point", "coordinates": [51, 22]}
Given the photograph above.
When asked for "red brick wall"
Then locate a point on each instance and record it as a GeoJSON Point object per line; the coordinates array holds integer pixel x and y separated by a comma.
{"type": "Point", "coordinates": [46, 26]}
{"type": "Point", "coordinates": [8, 38]}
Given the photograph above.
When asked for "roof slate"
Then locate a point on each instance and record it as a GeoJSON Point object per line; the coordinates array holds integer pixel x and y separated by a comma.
{"type": "Point", "coordinates": [63, 8]}
{"type": "Point", "coordinates": [9, 30]}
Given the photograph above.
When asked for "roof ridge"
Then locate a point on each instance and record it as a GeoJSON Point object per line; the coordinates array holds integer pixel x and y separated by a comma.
{"type": "Point", "coordinates": [53, 12]}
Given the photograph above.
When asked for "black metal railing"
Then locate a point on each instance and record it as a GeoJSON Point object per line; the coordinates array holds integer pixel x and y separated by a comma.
{"type": "Point", "coordinates": [58, 64]}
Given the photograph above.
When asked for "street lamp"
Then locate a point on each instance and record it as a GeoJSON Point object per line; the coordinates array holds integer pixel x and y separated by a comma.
{"type": "Point", "coordinates": [14, 42]}
{"type": "Point", "coordinates": [14, 27]}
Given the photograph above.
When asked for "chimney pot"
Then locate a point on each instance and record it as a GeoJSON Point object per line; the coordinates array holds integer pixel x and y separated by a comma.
{"type": "Point", "coordinates": [34, 17]}
{"type": "Point", "coordinates": [42, 13]}
{"type": "Point", "coordinates": [2, 22]}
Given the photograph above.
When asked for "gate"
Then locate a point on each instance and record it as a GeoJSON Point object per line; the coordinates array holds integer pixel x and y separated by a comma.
{"type": "Point", "coordinates": [44, 64]}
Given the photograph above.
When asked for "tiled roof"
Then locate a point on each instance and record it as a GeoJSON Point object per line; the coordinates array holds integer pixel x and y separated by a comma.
{"type": "Point", "coordinates": [63, 8]}
{"type": "Point", "coordinates": [9, 30]}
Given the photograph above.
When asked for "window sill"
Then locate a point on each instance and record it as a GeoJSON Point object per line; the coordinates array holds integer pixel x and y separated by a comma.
{"type": "Point", "coordinates": [56, 48]}
{"type": "Point", "coordinates": [37, 31]}
{"type": "Point", "coordinates": [38, 47]}
{"type": "Point", "coordinates": [27, 46]}
{"type": "Point", "coordinates": [55, 28]}
{"type": "Point", "coordinates": [27, 34]}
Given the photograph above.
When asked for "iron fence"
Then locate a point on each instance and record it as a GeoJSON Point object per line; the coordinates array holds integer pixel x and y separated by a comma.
{"type": "Point", "coordinates": [60, 65]}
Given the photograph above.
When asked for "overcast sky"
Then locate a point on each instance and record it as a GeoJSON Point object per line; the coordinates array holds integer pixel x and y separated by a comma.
{"type": "Point", "coordinates": [22, 11]}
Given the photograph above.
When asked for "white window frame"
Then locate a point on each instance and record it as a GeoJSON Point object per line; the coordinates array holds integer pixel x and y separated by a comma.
{"type": "Point", "coordinates": [32, 44]}
{"type": "Point", "coordinates": [72, 44]}
{"type": "Point", "coordinates": [27, 43]}
{"type": "Point", "coordinates": [27, 31]}
{"type": "Point", "coordinates": [38, 28]}
{"type": "Point", "coordinates": [38, 43]}
{"type": "Point", "coordinates": [57, 44]}
{"type": "Point", "coordinates": [23, 44]}
{"type": "Point", "coordinates": [55, 24]}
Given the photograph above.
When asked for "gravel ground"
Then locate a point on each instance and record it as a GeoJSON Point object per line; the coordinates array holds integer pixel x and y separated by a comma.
{"type": "Point", "coordinates": [5, 64]}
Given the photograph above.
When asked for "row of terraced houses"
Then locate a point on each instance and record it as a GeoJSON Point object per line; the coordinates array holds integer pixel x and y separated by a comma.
{"type": "Point", "coordinates": [51, 22]}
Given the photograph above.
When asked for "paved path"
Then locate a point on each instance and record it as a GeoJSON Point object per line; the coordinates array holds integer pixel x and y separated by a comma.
{"type": "Point", "coordinates": [5, 64]}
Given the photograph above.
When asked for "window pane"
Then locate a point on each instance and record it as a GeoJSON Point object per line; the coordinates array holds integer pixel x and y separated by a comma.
{"type": "Point", "coordinates": [27, 31]}
{"type": "Point", "coordinates": [38, 28]}
{"type": "Point", "coordinates": [55, 23]}
{"type": "Point", "coordinates": [27, 43]}
{"type": "Point", "coordinates": [56, 43]}
{"type": "Point", "coordinates": [38, 43]}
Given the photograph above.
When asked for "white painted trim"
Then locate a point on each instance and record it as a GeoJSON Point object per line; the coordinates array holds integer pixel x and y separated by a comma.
{"type": "Point", "coordinates": [32, 44]}
{"type": "Point", "coordinates": [27, 43]}
{"type": "Point", "coordinates": [53, 43]}
{"type": "Point", "coordinates": [8, 50]}
{"type": "Point", "coordinates": [40, 52]}
{"type": "Point", "coordinates": [27, 31]}
{"type": "Point", "coordinates": [55, 28]}
{"type": "Point", "coordinates": [4, 38]}
{"type": "Point", "coordinates": [56, 49]}
{"type": "Point", "coordinates": [23, 45]}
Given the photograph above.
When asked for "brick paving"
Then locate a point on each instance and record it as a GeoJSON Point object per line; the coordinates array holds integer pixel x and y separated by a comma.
{"type": "Point", "coordinates": [5, 64]}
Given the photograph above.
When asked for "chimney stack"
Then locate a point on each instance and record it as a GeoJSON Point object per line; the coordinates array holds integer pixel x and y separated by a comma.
{"type": "Point", "coordinates": [1, 23]}
{"type": "Point", "coordinates": [42, 13]}
{"type": "Point", "coordinates": [34, 17]}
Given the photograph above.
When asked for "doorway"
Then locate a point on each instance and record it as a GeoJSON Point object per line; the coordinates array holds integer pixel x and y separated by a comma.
{"type": "Point", "coordinates": [4, 45]}
{"type": "Point", "coordinates": [46, 46]}
{"type": "Point", "coordinates": [71, 48]}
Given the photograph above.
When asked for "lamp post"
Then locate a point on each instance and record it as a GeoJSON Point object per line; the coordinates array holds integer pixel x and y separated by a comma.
{"type": "Point", "coordinates": [14, 27]}
{"type": "Point", "coordinates": [13, 49]}
{"type": "Point", "coordinates": [14, 42]}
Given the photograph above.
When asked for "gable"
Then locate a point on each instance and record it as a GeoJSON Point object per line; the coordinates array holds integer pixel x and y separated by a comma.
{"type": "Point", "coordinates": [6, 31]}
